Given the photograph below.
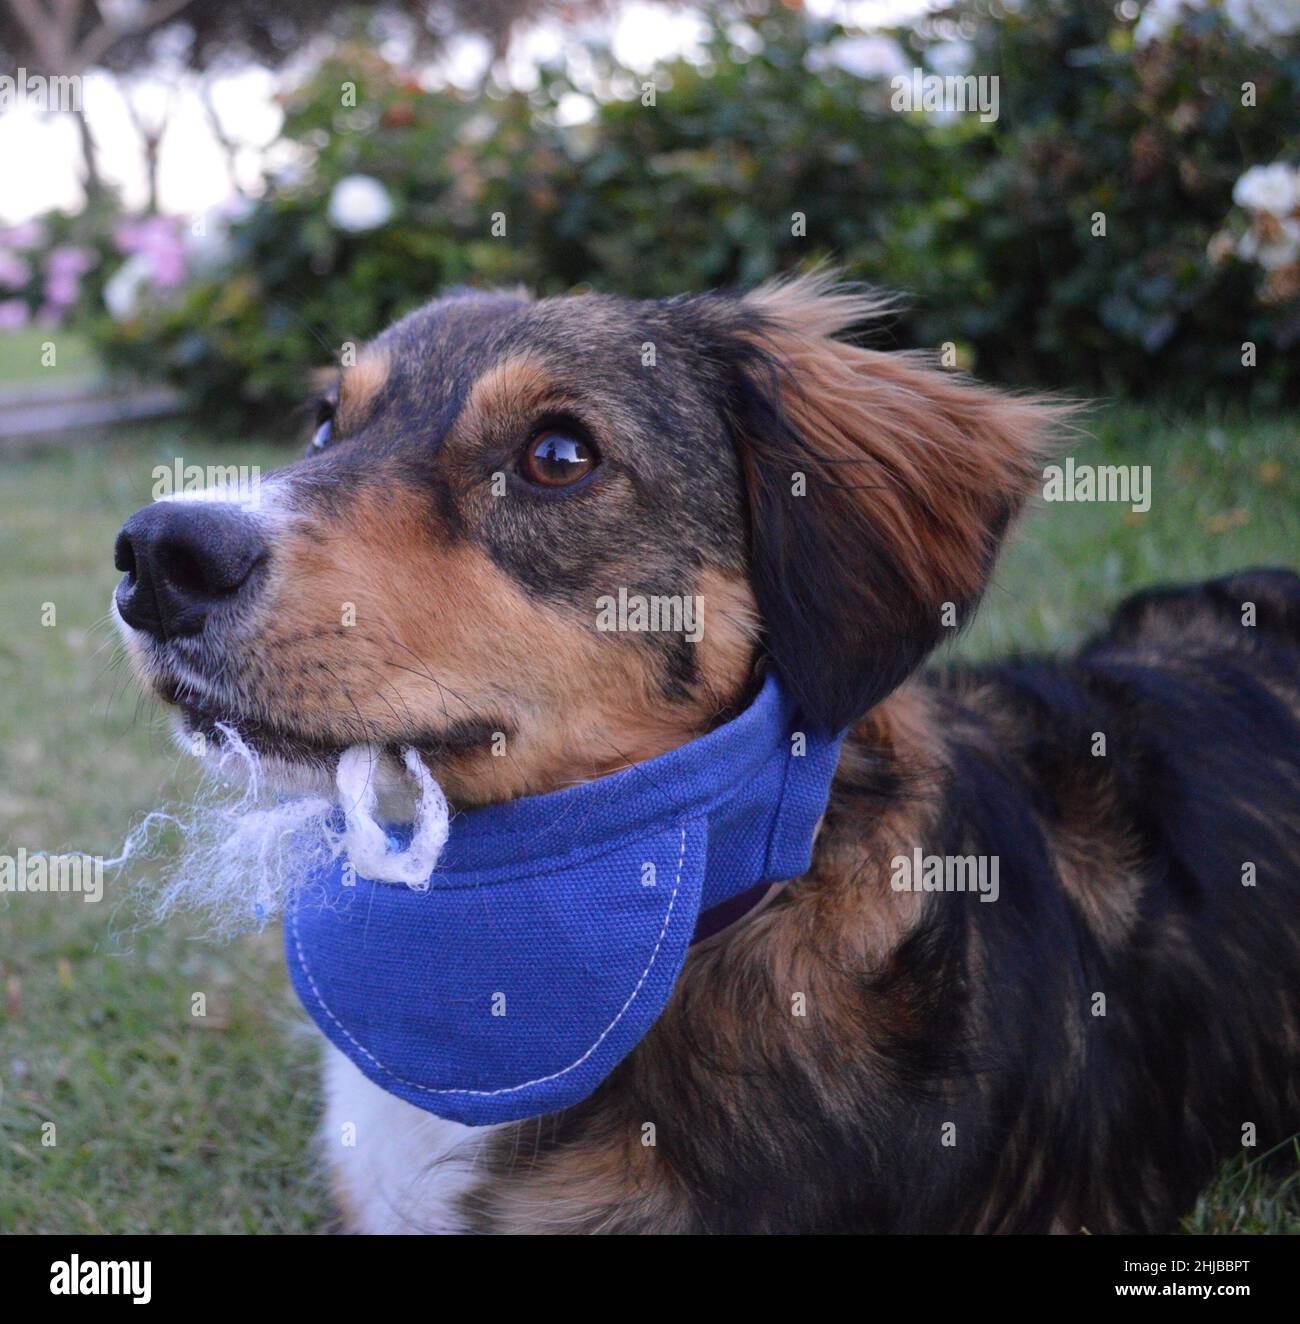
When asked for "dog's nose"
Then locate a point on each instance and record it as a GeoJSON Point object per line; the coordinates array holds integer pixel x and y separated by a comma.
{"type": "Point", "coordinates": [180, 560]}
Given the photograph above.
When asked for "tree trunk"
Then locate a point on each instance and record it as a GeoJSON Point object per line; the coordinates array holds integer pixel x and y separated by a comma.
{"type": "Point", "coordinates": [151, 136]}
{"type": "Point", "coordinates": [152, 142]}
{"type": "Point", "coordinates": [91, 180]}
{"type": "Point", "coordinates": [229, 148]}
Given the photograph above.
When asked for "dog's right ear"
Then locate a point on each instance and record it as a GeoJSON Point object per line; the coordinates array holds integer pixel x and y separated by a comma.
{"type": "Point", "coordinates": [879, 489]}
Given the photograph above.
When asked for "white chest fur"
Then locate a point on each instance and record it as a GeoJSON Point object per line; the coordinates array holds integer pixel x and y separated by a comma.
{"type": "Point", "coordinates": [396, 1168]}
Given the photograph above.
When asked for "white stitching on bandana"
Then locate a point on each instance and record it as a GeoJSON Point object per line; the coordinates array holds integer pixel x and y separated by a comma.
{"type": "Point", "coordinates": [506, 1089]}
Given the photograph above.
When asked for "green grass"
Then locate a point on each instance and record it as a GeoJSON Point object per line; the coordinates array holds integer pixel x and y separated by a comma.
{"type": "Point", "coordinates": [1225, 494]}
{"type": "Point", "coordinates": [166, 1122]}
{"type": "Point", "coordinates": [23, 358]}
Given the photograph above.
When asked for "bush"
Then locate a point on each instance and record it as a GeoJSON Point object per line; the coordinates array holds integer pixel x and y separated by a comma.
{"type": "Point", "coordinates": [989, 228]}
{"type": "Point", "coordinates": [1149, 139]}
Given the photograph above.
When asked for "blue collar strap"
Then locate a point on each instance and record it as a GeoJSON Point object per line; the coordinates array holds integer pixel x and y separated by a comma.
{"type": "Point", "coordinates": [554, 927]}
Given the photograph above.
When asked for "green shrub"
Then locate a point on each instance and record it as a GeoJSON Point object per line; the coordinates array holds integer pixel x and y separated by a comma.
{"type": "Point", "coordinates": [1153, 139]}
{"type": "Point", "coordinates": [987, 228]}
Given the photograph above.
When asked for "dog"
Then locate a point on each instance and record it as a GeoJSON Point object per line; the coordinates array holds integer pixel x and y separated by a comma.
{"type": "Point", "coordinates": [1082, 1054]}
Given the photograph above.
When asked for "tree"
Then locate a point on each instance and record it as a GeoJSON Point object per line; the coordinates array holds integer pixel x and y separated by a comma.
{"type": "Point", "coordinates": [70, 37]}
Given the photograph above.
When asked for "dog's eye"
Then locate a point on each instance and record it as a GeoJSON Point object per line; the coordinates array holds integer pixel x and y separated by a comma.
{"type": "Point", "coordinates": [324, 427]}
{"type": "Point", "coordinates": [557, 459]}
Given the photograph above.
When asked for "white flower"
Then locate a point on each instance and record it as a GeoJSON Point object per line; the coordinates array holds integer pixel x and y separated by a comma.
{"type": "Point", "coordinates": [122, 289]}
{"type": "Point", "coordinates": [1279, 248]}
{"type": "Point", "coordinates": [207, 245]}
{"type": "Point", "coordinates": [863, 57]}
{"type": "Point", "coordinates": [358, 203]}
{"type": "Point", "coordinates": [477, 129]}
{"type": "Point", "coordinates": [1272, 188]}
{"type": "Point", "coordinates": [949, 57]}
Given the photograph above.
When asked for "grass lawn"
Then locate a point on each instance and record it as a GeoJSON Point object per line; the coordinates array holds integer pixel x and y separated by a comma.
{"type": "Point", "coordinates": [168, 1122]}
{"type": "Point", "coordinates": [23, 358]}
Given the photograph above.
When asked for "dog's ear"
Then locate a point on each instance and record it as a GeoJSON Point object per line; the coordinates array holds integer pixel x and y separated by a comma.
{"type": "Point", "coordinates": [879, 489]}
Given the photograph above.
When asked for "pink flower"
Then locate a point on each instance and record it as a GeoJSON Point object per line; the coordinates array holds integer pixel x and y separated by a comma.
{"type": "Point", "coordinates": [62, 289]}
{"type": "Point", "coordinates": [67, 260]}
{"type": "Point", "coordinates": [14, 272]}
{"type": "Point", "coordinates": [13, 315]}
{"type": "Point", "coordinates": [25, 236]}
{"type": "Point", "coordinates": [158, 239]}
{"type": "Point", "coordinates": [168, 268]}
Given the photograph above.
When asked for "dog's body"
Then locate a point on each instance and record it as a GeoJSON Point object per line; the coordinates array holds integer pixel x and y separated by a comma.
{"type": "Point", "coordinates": [1078, 1048]}
{"type": "Point", "coordinates": [1081, 1054]}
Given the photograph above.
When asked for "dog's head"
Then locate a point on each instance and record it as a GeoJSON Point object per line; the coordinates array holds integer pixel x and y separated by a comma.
{"type": "Point", "coordinates": [538, 541]}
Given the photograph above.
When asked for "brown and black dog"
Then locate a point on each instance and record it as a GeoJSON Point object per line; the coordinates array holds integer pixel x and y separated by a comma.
{"type": "Point", "coordinates": [1081, 1055]}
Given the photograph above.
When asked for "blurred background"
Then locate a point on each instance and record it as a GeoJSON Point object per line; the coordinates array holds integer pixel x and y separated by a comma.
{"type": "Point", "coordinates": [242, 189]}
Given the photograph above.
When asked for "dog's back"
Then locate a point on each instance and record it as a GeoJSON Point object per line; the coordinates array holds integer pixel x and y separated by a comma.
{"type": "Point", "coordinates": [1143, 962]}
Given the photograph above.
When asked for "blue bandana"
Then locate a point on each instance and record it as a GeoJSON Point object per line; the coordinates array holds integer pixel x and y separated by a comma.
{"type": "Point", "coordinates": [553, 929]}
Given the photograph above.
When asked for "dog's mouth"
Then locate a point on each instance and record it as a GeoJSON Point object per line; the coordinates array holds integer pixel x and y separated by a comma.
{"type": "Point", "coordinates": [269, 738]}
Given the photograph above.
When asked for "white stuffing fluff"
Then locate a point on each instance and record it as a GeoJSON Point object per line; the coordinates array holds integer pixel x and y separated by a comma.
{"type": "Point", "coordinates": [245, 850]}
{"type": "Point", "coordinates": [367, 843]}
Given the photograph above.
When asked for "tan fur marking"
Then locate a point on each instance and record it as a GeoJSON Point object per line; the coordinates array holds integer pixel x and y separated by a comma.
{"type": "Point", "coordinates": [853, 858]}
{"type": "Point", "coordinates": [518, 386]}
{"type": "Point", "coordinates": [1099, 869]}
{"type": "Point", "coordinates": [731, 628]}
{"type": "Point", "coordinates": [359, 385]}
{"type": "Point", "coordinates": [608, 1182]}
{"type": "Point", "coordinates": [816, 305]}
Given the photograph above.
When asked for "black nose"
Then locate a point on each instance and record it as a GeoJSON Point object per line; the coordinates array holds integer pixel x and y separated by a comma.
{"type": "Point", "coordinates": [182, 559]}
